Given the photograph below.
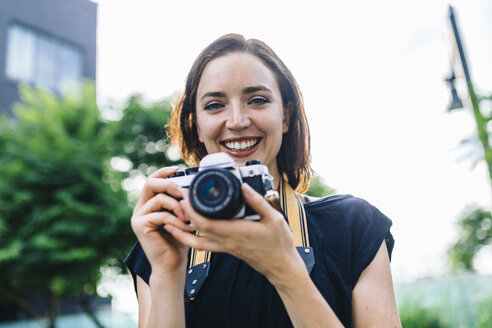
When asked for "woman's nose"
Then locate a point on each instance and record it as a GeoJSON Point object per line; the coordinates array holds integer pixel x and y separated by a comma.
{"type": "Point", "coordinates": [238, 118]}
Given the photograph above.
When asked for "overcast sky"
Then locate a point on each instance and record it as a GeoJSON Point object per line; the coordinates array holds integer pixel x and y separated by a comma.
{"type": "Point", "coordinates": [372, 77]}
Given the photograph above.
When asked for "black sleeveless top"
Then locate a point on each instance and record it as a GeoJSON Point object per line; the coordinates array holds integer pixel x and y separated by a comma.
{"type": "Point", "coordinates": [345, 233]}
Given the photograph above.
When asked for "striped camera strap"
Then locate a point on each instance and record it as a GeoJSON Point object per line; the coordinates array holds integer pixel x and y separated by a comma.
{"type": "Point", "coordinates": [293, 210]}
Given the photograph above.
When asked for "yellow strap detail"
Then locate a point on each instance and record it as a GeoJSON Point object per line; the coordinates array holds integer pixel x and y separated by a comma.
{"type": "Point", "coordinates": [198, 256]}
{"type": "Point", "coordinates": [294, 211]}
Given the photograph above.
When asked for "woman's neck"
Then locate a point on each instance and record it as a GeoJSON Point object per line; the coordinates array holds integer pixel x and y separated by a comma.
{"type": "Point", "coordinates": [273, 170]}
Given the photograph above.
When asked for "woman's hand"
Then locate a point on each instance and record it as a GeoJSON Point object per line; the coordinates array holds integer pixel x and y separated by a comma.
{"type": "Point", "coordinates": [266, 245]}
{"type": "Point", "coordinates": [159, 206]}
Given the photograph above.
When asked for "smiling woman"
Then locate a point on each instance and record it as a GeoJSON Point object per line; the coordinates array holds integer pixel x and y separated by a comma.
{"type": "Point", "coordinates": [246, 118]}
{"type": "Point", "coordinates": [240, 99]}
{"type": "Point", "coordinates": [293, 158]}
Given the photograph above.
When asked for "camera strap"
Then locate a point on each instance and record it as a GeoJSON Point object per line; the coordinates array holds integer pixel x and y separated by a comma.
{"type": "Point", "coordinates": [294, 213]}
{"type": "Point", "coordinates": [293, 210]}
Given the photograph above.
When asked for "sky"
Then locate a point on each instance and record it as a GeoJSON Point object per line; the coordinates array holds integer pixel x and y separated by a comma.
{"type": "Point", "coordinates": [372, 75]}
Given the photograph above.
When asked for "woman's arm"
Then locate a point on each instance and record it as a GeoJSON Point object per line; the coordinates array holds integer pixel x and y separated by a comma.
{"type": "Point", "coordinates": [144, 302]}
{"type": "Point", "coordinates": [162, 303]}
{"type": "Point", "coordinates": [373, 298]}
{"type": "Point", "coordinates": [302, 300]}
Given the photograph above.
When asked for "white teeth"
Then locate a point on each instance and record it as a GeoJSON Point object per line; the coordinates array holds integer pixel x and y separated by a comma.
{"type": "Point", "coordinates": [236, 145]}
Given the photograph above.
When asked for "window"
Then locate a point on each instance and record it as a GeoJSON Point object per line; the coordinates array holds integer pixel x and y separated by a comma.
{"type": "Point", "coordinates": [42, 60]}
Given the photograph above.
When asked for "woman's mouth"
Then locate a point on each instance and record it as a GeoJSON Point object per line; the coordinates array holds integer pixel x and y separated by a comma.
{"type": "Point", "coordinates": [241, 147]}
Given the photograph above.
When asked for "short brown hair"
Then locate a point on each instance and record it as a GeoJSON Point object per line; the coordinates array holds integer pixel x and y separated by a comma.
{"type": "Point", "coordinates": [293, 159]}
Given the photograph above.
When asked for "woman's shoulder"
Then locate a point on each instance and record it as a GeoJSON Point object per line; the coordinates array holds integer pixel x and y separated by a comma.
{"type": "Point", "coordinates": [348, 227]}
{"type": "Point", "coordinates": [346, 210]}
{"type": "Point", "coordinates": [338, 202]}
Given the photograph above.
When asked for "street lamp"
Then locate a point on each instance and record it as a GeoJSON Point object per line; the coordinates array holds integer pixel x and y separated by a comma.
{"type": "Point", "coordinates": [456, 102]}
{"type": "Point", "coordinates": [471, 91]}
{"type": "Point", "coordinates": [480, 119]}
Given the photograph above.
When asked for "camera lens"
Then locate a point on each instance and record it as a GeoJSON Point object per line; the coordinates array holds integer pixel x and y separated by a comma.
{"type": "Point", "coordinates": [216, 193]}
{"type": "Point", "coordinates": [212, 189]}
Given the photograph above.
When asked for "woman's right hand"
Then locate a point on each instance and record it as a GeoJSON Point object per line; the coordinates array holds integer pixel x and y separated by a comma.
{"type": "Point", "coordinates": [157, 206]}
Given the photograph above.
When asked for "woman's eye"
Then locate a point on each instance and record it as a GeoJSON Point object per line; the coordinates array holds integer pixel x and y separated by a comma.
{"type": "Point", "coordinates": [258, 101]}
{"type": "Point", "coordinates": [212, 106]}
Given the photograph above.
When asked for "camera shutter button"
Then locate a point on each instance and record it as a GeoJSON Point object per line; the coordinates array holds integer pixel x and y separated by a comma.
{"type": "Point", "coordinates": [191, 170]}
{"type": "Point", "coordinates": [177, 174]}
{"type": "Point", "coordinates": [252, 162]}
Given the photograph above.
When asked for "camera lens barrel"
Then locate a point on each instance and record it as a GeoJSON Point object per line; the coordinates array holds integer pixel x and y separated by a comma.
{"type": "Point", "coordinates": [216, 193]}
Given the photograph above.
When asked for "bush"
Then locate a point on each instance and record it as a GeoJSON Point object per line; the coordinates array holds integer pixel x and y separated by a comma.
{"type": "Point", "coordinates": [414, 315]}
{"type": "Point", "coordinates": [484, 313]}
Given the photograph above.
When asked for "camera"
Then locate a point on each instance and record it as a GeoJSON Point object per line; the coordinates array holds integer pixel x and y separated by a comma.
{"type": "Point", "coordinates": [215, 186]}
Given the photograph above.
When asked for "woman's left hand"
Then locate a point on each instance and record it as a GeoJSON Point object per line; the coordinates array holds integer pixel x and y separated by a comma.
{"type": "Point", "coordinates": [266, 245]}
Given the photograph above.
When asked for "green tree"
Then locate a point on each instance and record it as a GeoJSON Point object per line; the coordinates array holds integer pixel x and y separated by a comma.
{"type": "Point", "coordinates": [140, 143]}
{"type": "Point", "coordinates": [464, 250]}
{"type": "Point", "coordinates": [475, 231]}
{"type": "Point", "coordinates": [484, 312]}
{"type": "Point", "coordinates": [140, 135]}
{"type": "Point", "coordinates": [62, 216]}
{"type": "Point", "coordinates": [475, 222]}
{"type": "Point", "coordinates": [414, 315]}
{"type": "Point", "coordinates": [63, 211]}
{"type": "Point", "coordinates": [318, 188]}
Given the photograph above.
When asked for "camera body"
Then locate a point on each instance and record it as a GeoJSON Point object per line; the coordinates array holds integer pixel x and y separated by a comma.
{"type": "Point", "coordinates": [215, 186]}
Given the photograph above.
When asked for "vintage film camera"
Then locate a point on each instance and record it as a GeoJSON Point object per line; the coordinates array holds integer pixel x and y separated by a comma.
{"type": "Point", "coordinates": [215, 186]}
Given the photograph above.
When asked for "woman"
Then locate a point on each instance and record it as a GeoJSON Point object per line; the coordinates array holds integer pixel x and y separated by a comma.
{"type": "Point", "coordinates": [242, 100]}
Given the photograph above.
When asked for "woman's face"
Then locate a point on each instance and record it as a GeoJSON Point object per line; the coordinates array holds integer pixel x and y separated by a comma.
{"type": "Point", "coordinates": [239, 110]}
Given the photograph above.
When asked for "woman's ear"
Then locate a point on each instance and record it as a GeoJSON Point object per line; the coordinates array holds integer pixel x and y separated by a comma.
{"type": "Point", "coordinates": [288, 110]}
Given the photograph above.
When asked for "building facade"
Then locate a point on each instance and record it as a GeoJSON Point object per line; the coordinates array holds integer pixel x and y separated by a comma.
{"type": "Point", "coordinates": [47, 43]}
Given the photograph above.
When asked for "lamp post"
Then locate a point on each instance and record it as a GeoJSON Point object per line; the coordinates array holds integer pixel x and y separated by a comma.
{"type": "Point", "coordinates": [480, 120]}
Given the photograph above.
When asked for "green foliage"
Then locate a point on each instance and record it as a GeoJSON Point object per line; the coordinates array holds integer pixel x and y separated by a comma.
{"type": "Point", "coordinates": [59, 221]}
{"type": "Point", "coordinates": [140, 140]}
{"type": "Point", "coordinates": [63, 211]}
{"type": "Point", "coordinates": [414, 315]}
{"type": "Point", "coordinates": [484, 313]}
{"type": "Point", "coordinates": [140, 136]}
{"type": "Point", "coordinates": [475, 231]}
{"type": "Point", "coordinates": [318, 188]}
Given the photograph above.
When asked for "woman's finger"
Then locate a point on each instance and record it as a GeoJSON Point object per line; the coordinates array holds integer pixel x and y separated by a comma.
{"type": "Point", "coordinates": [159, 203]}
{"type": "Point", "coordinates": [164, 172]}
{"type": "Point", "coordinates": [156, 183]}
{"type": "Point", "coordinates": [161, 185]}
{"type": "Point", "coordinates": [158, 186]}
{"type": "Point", "coordinates": [151, 222]}
{"type": "Point", "coordinates": [194, 241]}
{"type": "Point", "coordinates": [258, 203]}
{"type": "Point", "coordinates": [211, 227]}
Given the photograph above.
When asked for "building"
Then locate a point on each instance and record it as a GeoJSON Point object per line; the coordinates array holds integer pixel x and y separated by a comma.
{"type": "Point", "coordinates": [49, 43]}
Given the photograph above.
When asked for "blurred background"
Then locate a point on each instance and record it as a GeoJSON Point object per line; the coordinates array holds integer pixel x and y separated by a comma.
{"type": "Point", "coordinates": [398, 116]}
